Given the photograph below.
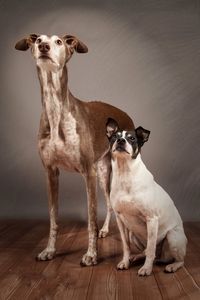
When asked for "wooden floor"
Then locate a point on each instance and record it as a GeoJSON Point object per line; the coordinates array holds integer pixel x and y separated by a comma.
{"type": "Point", "coordinates": [22, 277]}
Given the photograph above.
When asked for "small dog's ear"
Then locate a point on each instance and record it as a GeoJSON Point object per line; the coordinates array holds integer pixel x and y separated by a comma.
{"type": "Point", "coordinates": [75, 44]}
{"type": "Point", "coordinates": [142, 135]}
{"type": "Point", "coordinates": [111, 127]}
{"type": "Point", "coordinates": [24, 44]}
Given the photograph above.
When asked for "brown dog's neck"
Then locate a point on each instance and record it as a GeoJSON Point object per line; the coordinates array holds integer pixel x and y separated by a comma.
{"type": "Point", "coordinates": [56, 97]}
{"type": "Point", "coordinates": [53, 84]}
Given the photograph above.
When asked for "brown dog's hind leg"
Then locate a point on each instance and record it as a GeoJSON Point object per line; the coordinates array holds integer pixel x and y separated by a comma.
{"type": "Point", "coordinates": [104, 170]}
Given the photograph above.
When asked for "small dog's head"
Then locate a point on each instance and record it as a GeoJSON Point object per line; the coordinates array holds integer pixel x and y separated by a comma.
{"type": "Point", "coordinates": [51, 52]}
{"type": "Point", "coordinates": [126, 143]}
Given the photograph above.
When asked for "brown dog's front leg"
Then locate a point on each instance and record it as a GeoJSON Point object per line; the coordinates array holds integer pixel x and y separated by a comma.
{"type": "Point", "coordinates": [52, 185]}
{"type": "Point", "coordinates": [90, 258]}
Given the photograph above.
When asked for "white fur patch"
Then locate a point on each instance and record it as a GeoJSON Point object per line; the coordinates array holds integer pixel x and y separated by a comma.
{"type": "Point", "coordinates": [135, 191]}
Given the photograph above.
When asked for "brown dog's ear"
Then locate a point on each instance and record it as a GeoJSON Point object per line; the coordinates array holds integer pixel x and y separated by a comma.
{"type": "Point", "coordinates": [24, 44]}
{"type": "Point", "coordinates": [75, 44]}
{"type": "Point", "coordinates": [142, 135]}
{"type": "Point", "coordinates": [111, 127]}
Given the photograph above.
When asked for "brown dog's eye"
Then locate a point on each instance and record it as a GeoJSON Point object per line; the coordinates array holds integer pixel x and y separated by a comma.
{"type": "Point", "coordinates": [38, 41]}
{"type": "Point", "coordinates": [59, 42]}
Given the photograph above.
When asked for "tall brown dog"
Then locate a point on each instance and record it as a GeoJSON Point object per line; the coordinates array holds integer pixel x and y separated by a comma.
{"type": "Point", "coordinates": [70, 134]}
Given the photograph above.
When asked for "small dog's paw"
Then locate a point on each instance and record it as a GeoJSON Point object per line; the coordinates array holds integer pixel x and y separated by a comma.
{"type": "Point", "coordinates": [88, 260]}
{"type": "Point", "coordinates": [171, 268]}
{"type": "Point", "coordinates": [144, 271]}
{"type": "Point", "coordinates": [103, 233]}
{"type": "Point", "coordinates": [123, 265]}
{"type": "Point", "coordinates": [46, 254]}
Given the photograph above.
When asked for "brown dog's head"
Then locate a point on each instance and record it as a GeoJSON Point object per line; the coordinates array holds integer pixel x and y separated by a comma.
{"type": "Point", "coordinates": [51, 52]}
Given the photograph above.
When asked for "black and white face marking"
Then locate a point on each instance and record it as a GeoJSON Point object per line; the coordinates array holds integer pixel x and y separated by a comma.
{"type": "Point", "coordinates": [125, 142]}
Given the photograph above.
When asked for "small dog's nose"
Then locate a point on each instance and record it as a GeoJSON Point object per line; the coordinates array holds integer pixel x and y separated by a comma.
{"type": "Point", "coordinates": [121, 141]}
{"type": "Point", "coordinates": [44, 47]}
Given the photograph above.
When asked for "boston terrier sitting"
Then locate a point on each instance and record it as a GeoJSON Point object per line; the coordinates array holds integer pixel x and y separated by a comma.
{"type": "Point", "coordinates": [145, 213]}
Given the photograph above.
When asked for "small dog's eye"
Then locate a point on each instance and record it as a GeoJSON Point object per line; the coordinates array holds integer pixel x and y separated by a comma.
{"type": "Point", "coordinates": [59, 42]}
{"type": "Point", "coordinates": [114, 136]}
{"type": "Point", "coordinates": [38, 41]}
{"type": "Point", "coordinates": [131, 138]}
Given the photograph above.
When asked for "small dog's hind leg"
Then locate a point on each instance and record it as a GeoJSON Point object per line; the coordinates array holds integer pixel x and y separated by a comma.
{"type": "Point", "coordinates": [52, 185]}
{"type": "Point", "coordinates": [163, 254]}
{"type": "Point", "coordinates": [177, 244]}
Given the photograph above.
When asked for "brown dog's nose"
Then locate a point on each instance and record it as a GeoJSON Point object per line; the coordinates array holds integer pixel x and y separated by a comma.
{"type": "Point", "coordinates": [44, 47]}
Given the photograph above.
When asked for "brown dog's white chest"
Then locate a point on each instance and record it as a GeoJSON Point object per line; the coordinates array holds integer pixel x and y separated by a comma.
{"type": "Point", "coordinates": [63, 152]}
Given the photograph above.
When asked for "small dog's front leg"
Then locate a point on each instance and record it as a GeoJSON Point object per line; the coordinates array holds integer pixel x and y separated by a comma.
{"type": "Point", "coordinates": [152, 232]}
{"type": "Point", "coordinates": [125, 262]}
{"type": "Point", "coordinates": [90, 258]}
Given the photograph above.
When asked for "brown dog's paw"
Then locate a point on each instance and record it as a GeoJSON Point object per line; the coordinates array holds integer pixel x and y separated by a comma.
{"type": "Point", "coordinates": [88, 260]}
{"type": "Point", "coordinates": [46, 254]}
{"type": "Point", "coordinates": [103, 233]}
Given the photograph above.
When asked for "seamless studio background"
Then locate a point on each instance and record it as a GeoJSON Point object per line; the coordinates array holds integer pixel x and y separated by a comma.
{"type": "Point", "coordinates": [143, 57]}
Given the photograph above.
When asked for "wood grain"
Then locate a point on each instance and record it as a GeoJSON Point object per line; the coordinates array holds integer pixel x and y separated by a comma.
{"type": "Point", "coordinates": [22, 277]}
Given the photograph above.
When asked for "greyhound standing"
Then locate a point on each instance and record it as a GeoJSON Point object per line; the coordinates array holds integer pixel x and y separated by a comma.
{"type": "Point", "coordinates": [70, 134]}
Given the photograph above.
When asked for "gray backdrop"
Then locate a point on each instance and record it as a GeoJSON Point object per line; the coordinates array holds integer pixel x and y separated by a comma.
{"type": "Point", "coordinates": [144, 57]}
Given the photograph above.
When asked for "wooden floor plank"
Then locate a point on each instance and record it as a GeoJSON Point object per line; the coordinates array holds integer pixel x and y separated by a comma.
{"type": "Point", "coordinates": [17, 258]}
{"type": "Point", "coordinates": [76, 278]}
{"type": "Point", "coordinates": [104, 282]}
{"type": "Point", "coordinates": [11, 253]}
{"type": "Point", "coordinates": [12, 233]}
{"type": "Point", "coordinates": [31, 271]}
{"type": "Point", "coordinates": [66, 281]}
{"type": "Point", "coordinates": [168, 284]}
{"type": "Point", "coordinates": [192, 260]}
{"type": "Point", "coordinates": [187, 283]}
{"type": "Point", "coordinates": [21, 277]}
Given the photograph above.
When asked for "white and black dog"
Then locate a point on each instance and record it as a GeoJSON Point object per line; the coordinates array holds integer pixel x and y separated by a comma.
{"type": "Point", "coordinates": [145, 213]}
